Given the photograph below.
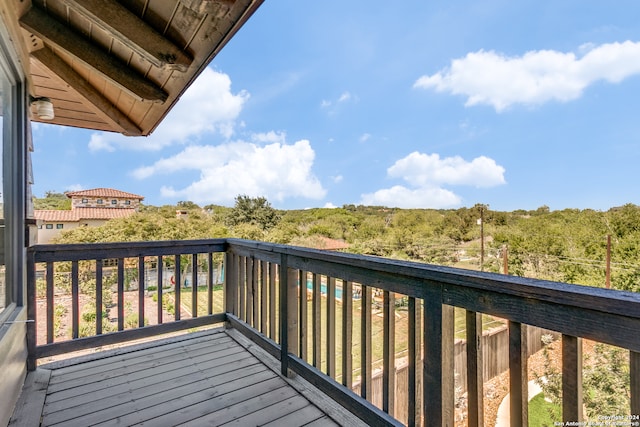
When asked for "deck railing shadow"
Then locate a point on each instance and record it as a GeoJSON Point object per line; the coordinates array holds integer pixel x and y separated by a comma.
{"type": "Point", "coordinates": [315, 312]}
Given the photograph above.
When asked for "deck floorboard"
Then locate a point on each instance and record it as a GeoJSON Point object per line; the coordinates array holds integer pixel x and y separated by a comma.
{"type": "Point", "coordinates": [210, 379]}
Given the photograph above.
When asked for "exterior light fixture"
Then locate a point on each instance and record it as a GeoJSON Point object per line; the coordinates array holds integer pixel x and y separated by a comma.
{"type": "Point", "coordinates": [44, 107]}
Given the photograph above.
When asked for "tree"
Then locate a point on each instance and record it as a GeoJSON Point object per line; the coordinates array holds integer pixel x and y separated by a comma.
{"type": "Point", "coordinates": [254, 211]}
{"type": "Point", "coordinates": [53, 201]}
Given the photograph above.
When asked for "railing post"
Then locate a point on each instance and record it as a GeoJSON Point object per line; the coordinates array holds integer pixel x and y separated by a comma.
{"type": "Point", "coordinates": [31, 311]}
{"type": "Point", "coordinates": [571, 379]}
{"type": "Point", "coordinates": [284, 315]}
{"type": "Point", "coordinates": [438, 384]}
{"type": "Point", "coordinates": [518, 378]}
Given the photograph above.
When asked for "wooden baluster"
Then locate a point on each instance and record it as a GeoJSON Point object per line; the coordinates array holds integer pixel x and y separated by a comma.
{"type": "Point", "coordinates": [194, 285]}
{"type": "Point", "coordinates": [365, 343]}
{"type": "Point", "coordinates": [264, 293]}
{"type": "Point", "coordinates": [302, 305]}
{"type": "Point", "coordinates": [255, 278]}
{"type": "Point", "coordinates": [178, 289]}
{"type": "Point", "coordinates": [249, 296]}
{"type": "Point", "coordinates": [75, 300]}
{"type": "Point", "coordinates": [388, 354]}
{"type": "Point", "coordinates": [475, 377]}
{"type": "Point", "coordinates": [518, 377]}
{"type": "Point", "coordinates": [414, 405]}
{"type": "Point", "coordinates": [50, 302]}
{"type": "Point", "coordinates": [210, 280]}
{"type": "Point", "coordinates": [242, 274]}
{"type": "Point", "coordinates": [316, 307]}
{"type": "Point", "coordinates": [140, 291]}
{"type": "Point", "coordinates": [159, 290]}
{"type": "Point", "coordinates": [98, 297]}
{"type": "Point", "coordinates": [347, 333]}
{"type": "Point", "coordinates": [571, 378]}
{"type": "Point", "coordinates": [292, 314]}
{"type": "Point", "coordinates": [120, 296]}
{"type": "Point", "coordinates": [331, 327]}
{"type": "Point", "coordinates": [273, 330]}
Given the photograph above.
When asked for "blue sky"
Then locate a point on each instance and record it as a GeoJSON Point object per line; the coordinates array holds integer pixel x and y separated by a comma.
{"type": "Point", "coordinates": [412, 104]}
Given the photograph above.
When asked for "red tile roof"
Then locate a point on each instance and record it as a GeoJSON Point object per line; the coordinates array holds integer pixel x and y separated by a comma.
{"type": "Point", "coordinates": [80, 214]}
{"type": "Point", "coordinates": [103, 192]}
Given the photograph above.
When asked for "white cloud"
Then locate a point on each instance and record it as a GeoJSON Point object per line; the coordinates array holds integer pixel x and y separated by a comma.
{"type": "Point", "coordinates": [365, 137]}
{"type": "Point", "coordinates": [402, 197]}
{"type": "Point", "coordinates": [346, 96]}
{"type": "Point", "coordinates": [276, 171]}
{"type": "Point", "coordinates": [330, 205]}
{"type": "Point", "coordinates": [429, 169]}
{"type": "Point", "coordinates": [271, 136]}
{"type": "Point", "coordinates": [333, 107]}
{"type": "Point", "coordinates": [75, 187]}
{"type": "Point", "coordinates": [491, 78]}
{"type": "Point", "coordinates": [207, 107]}
{"type": "Point", "coordinates": [426, 175]}
{"type": "Point", "coordinates": [337, 179]}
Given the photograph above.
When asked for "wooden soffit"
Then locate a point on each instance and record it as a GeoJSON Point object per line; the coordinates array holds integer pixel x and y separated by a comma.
{"type": "Point", "coordinates": [121, 65]}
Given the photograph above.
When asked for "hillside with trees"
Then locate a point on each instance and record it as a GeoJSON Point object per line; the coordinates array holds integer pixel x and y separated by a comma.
{"type": "Point", "coordinates": [568, 245]}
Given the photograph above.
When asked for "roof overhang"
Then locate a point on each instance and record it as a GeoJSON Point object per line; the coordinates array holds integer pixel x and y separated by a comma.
{"type": "Point", "coordinates": [120, 65]}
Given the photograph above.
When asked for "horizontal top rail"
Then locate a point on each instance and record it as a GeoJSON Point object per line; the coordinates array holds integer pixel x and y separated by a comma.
{"type": "Point", "coordinates": [92, 251]}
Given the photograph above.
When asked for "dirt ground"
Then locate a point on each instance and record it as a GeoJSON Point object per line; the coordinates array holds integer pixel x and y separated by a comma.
{"type": "Point", "coordinates": [63, 332]}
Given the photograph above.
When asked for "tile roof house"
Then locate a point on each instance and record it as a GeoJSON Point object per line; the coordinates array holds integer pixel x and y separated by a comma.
{"type": "Point", "coordinates": [89, 208]}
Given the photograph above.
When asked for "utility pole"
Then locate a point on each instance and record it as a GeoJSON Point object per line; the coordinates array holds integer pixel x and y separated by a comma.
{"type": "Point", "coordinates": [505, 259]}
{"type": "Point", "coordinates": [608, 272]}
{"type": "Point", "coordinates": [481, 237]}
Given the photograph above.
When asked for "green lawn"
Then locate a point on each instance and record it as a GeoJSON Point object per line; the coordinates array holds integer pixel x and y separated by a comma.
{"type": "Point", "coordinates": [540, 412]}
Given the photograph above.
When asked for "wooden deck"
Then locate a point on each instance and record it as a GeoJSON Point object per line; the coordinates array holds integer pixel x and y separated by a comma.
{"type": "Point", "coordinates": [204, 378]}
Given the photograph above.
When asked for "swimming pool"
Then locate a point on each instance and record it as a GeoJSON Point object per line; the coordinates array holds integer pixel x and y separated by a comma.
{"type": "Point", "coordinates": [323, 290]}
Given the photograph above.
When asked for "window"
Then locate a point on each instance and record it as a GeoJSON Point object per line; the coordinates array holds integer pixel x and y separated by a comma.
{"type": "Point", "coordinates": [49, 226]}
{"type": "Point", "coordinates": [59, 226]}
{"type": "Point", "coordinates": [127, 202]}
{"type": "Point", "coordinates": [85, 201]}
{"type": "Point", "coordinates": [99, 201]}
{"type": "Point", "coordinates": [114, 202]}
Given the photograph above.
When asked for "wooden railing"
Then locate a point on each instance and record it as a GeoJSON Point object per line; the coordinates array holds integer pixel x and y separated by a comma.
{"type": "Point", "coordinates": [315, 311]}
